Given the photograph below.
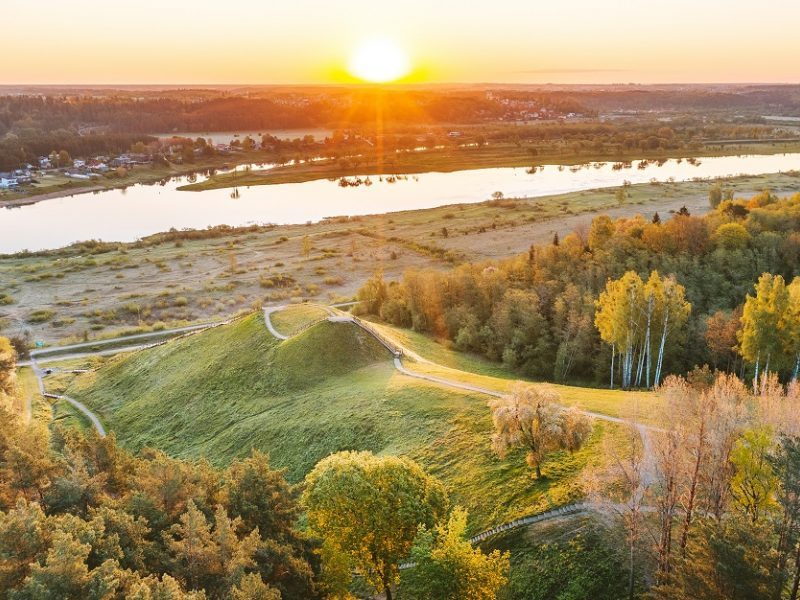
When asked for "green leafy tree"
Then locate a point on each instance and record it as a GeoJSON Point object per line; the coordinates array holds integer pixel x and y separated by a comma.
{"type": "Point", "coordinates": [637, 319]}
{"type": "Point", "coordinates": [252, 588]}
{"type": "Point", "coordinates": [760, 337]}
{"type": "Point", "coordinates": [786, 465]}
{"type": "Point", "coordinates": [211, 559]}
{"type": "Point", "coordinates": [372, 295]}
{"type": "Point", "coordinates": [165, 588]}
{"type": "Point", "coordinates": [790, 327]}
{"type": "Point", "coordinates": [263, 500]}
{"type": "Point", "coordinates": [585, 567]}
{"type": "Point", "coordinates": [24, 539]}
{"type": "Point", "coordinates": [448, 567]}
{"type": "Point", "coordinates": [261, 497]}
{"type": "Point", "coordinates": [754, 483]}
{"type": "Point", "coordinates": [367, 510]}
{"type": "Point", "coordinates": [63, 159]}
{"type": "Point", "coordinates": [732, 236]}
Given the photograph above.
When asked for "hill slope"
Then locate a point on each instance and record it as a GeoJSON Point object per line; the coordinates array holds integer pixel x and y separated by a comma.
{"type": "Point", "coordinates": [222, 392]}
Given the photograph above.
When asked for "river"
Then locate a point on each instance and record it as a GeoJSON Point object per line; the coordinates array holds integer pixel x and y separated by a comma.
{"type": "Point", "coordinates": [125, 215]}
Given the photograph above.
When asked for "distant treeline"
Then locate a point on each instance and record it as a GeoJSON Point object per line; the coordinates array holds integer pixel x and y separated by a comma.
{"type": "Point", "coordinates": [782, 98]}
{"type": "Point", "coordinates": [16, 150]}
{"type": "Point", "coordinates": [93, 123]}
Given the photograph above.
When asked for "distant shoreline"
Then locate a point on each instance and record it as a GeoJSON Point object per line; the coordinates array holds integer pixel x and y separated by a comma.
{"type": "Point", "coordinates": [26, 200]}
{"type": "Point", "coordinates": [304, 173]}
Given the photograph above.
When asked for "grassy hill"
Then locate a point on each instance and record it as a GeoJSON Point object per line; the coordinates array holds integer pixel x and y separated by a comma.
{"type": "Point", "coordinates": [293, 318]}
{"type": "Point", "coordinates": [219, 393]}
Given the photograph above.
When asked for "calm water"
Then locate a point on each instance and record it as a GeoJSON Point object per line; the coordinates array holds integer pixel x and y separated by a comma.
{"type": "Point", "coordinates": [140, 210]}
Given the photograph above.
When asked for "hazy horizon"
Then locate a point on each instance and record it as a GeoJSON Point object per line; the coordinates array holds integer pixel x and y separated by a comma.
{"type": "Point", "coordinates": [311, 42]}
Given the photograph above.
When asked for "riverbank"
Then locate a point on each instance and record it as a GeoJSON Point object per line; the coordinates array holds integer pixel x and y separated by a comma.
{"type": "Point", "coordinates": [400, 163]}
{"type": "Point", "coordinates": [60, 187]}
{"type": "Point", "coordinates": [446, 160]}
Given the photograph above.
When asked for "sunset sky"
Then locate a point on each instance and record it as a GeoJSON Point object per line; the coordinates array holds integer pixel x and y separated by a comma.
{"type": "Point", "coordinates": [311, 41]}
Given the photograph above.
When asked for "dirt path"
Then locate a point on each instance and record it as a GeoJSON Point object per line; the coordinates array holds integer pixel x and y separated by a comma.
{"type": "Point", "coordinates": [268, 322]}
{"type": "Point", "coordinates": [44, 352]}
{"type": "Point", "coordinates": [40, 373]}
{"type": "Point", "coordinates": [82, 407]}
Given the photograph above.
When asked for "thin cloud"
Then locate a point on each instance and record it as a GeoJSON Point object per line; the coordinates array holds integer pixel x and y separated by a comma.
{"type": "Point", "coordinates": [551, 71]}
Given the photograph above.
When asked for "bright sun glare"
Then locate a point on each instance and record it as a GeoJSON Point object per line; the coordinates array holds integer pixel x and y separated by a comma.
{"type": "Point", "coordinates": [379, 60]}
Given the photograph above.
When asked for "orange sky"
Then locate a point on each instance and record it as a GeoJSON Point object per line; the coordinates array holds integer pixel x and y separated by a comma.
{"type": "Point", "coordinates": [311, 41]}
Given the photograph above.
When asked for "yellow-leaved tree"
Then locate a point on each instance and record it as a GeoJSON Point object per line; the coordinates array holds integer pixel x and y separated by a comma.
{"type": "Point", "coordinates": [367, 510]}
{"type": "Point", "coordinates": [770, 326]}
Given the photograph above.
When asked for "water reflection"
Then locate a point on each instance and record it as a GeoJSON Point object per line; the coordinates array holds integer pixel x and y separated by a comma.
{"type": "Point", "coordinates": [138, 210]}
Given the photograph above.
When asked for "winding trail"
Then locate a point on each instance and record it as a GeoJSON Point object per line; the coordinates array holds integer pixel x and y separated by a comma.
{"type": "Point", "coordinates": [648, 475]}
{"type": "Point", "coordinates": [166, 333]}
{"type": "Point", "coordinates": [40, 373]}
{"type": "Point", "coordinates": [268, 322]}
{"type": "Point", "coordinates": [81, 407]}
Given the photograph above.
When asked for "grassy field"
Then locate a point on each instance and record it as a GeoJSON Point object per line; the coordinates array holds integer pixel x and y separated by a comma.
{"type": "Point", "coordinates": [27, 398]}
{"type": "Point", "coordinates": [295, 317]}
{"type": "Point", "coordinates": [476, 370]}
{"type": "Point", "coordinates": [463, 158]}
{"type": "Point", "coordinates": [72, 295]}
{"type": "Point", "coordinates": [220, 393]}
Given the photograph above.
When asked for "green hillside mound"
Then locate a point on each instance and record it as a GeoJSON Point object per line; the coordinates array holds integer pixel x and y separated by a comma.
{"type": "Point", "coordinates": [325, 350]}
{"type": "Point", "coordinates": [295, 317]}
{"type": "Point", "coordinates": [223, 392]}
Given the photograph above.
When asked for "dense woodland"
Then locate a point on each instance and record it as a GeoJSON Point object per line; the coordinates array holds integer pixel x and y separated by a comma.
{"type": "Point", "coordinates": [566, 310]}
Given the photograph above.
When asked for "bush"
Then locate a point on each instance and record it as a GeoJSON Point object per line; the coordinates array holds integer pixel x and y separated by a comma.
{"type": "Point", "coordinates": [40, 316]}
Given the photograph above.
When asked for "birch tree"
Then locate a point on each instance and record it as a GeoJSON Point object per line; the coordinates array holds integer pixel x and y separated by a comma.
{"type": "Point", "coordinates": [790, 327]}
{"type": "Point", "coordinates": [618, 319]}
{"type": "Point", "coordinates": [675, 312]}
{"type": "Point", "coordinates": [633, 316]}
{"type": "Point", "coordinates": [760, 337]}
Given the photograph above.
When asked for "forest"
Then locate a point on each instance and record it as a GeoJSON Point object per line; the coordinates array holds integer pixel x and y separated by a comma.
{"type": "Point", "coordinates": [625, 301]}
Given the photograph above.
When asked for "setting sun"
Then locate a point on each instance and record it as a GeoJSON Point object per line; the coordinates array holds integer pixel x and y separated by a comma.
{"type": "Point", "coordinates": [379, 60]}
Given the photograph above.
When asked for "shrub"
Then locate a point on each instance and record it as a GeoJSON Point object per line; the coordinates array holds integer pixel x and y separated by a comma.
{"type": "Point", "coordinates": [40, 316]}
